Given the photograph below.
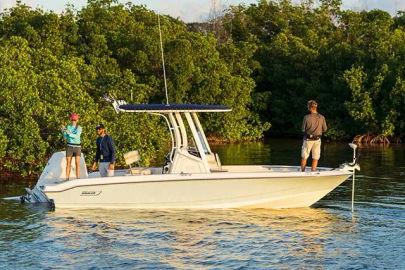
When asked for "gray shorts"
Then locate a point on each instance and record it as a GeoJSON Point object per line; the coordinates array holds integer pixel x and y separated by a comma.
{"type": "Point", "coordinates": [313, 147]}
{"type": "Point", "coordinates": [73, 151]}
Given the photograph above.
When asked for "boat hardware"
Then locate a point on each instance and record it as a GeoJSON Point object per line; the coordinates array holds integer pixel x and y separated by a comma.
{"type": "Point", "coordinates": [355, 166]}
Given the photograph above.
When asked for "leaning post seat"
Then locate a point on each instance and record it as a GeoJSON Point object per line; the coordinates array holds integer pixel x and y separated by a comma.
{"type": "Point", "coordinates": [134, 157]}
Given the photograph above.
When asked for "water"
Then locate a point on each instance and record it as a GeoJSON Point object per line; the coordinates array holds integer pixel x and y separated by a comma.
{"type": "Point", "coordinates": [324, 236]}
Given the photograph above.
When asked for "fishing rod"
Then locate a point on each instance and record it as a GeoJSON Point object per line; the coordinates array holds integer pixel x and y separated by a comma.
{"type": "Point", "coordinates": [163, 59]}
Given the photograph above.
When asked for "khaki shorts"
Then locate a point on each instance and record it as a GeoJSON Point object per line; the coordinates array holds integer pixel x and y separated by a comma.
{"type": "Point", "coordinates": [311, 146]}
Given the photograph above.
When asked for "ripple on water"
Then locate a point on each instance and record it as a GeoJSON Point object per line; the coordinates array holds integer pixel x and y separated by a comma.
{"type": "Point", "coordinates": [312, 238]}
{"type": "Point", "coordinates": [326, 236]}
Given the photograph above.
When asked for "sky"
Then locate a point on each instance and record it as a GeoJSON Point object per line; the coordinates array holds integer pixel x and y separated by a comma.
{"type": "Point", "coordinates": [199, 10]}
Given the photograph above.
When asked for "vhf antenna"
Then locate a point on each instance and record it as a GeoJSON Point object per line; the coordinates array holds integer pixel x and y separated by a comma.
{"type": "Point", "coordinates": [163, 59]}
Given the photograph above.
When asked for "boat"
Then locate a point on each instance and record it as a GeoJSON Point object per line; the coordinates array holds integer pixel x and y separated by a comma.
{"type": "Point", "coordinates": [191, 178]}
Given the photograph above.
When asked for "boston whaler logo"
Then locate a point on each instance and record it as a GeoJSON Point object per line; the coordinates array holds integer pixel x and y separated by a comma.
{"type": "Point", "coordinates": [90, 193]}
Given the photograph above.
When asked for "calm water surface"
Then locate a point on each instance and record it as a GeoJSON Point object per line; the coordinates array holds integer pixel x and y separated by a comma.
{"type": "Point", "coordinates": [326, 236]}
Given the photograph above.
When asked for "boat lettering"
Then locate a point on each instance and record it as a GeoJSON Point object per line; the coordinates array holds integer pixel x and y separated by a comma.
{"type": "Point", "coordinates": [90, 193]}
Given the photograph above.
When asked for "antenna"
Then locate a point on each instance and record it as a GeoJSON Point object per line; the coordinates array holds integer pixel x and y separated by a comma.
{"type": "Point", "coordinates": [214, 16]}
{"type": "Point", "coordinates": [163, 59]}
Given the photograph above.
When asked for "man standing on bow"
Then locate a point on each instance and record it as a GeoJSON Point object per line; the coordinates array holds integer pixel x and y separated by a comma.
{"type": "Point", "coordinates": [105, 153]}
{"type": "Point", "coordinates": [313, 125]}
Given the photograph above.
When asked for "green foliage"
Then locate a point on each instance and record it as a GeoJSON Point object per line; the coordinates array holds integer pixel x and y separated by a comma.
{"type": "Point", "coordinates": [3, 143]}
{"type": "Point", "coordinates": [361, 106]}
{"type": "Point", "coordinates": [52, 65]}
{"type": "Point", "coordinates": [270, 58]}
{"type": "Point", "coordinates": [351, 62]}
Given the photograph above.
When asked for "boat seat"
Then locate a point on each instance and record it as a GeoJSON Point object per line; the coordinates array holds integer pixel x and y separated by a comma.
{"type": "Point", "coordinates": [134, 157]}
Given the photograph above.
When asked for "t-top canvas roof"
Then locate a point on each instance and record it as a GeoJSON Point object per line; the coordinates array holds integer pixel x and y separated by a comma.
{"type": "Point", "coordinates": [168, 108]}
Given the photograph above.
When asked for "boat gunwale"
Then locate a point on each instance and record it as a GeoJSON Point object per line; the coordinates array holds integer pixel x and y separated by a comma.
{"type": "Point", "coordinates": [140, 179]}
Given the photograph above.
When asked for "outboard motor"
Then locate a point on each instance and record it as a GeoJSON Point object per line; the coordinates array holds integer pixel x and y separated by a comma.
{"type": "Point", "coordinates": [53, 174]}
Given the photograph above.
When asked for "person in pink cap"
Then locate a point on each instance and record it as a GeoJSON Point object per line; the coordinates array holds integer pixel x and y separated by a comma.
{"type": "Point", "coordinates": [72, 134]}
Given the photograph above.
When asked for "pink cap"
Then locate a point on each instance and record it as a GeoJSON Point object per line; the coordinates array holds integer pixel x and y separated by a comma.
{"type": "Point", "coordinates": [74, 117]}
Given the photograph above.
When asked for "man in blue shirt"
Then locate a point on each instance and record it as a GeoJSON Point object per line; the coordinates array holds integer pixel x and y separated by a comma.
{"type": "Point", "coordinates": [105, 153]}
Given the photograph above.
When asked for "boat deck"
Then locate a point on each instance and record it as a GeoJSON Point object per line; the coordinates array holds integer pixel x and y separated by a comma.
{"type": "Point", "coordinates": [224, 169]}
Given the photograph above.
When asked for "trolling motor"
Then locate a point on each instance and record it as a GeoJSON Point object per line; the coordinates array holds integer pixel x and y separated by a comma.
{"type": "Point", "coordinates": [354, 147]}
{"type": "Point", "coordinates": [352, 167]}
{"type": "Point", "coordinates": [355, 167]}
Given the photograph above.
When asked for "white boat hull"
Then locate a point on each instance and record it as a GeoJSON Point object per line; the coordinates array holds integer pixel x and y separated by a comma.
{"type": "Point", "coordinates": [257, 186]}
{"type": "Point", "coordinates": [130, 192]}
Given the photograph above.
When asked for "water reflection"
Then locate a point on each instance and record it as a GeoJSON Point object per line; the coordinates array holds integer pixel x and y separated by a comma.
{"type": "Point", "coordinates": [325, 236]}
{"type": "Point", "coordinates": [186, 238]}
{"type": "Point", "coordinates": [236, 154]}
